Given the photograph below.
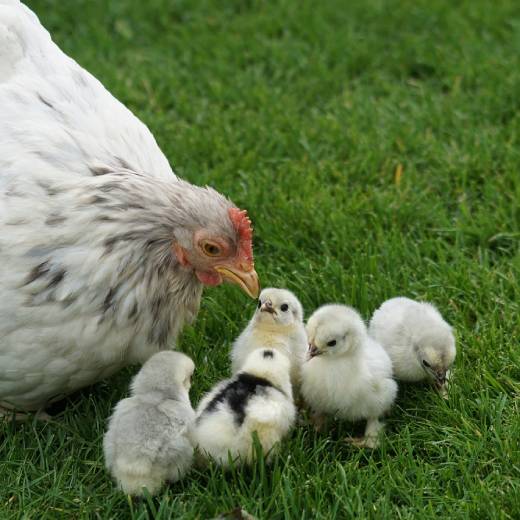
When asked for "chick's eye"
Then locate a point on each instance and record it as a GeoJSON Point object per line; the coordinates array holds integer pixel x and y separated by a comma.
{"type": "Point", "coordinates": [331, 343]}
{"type": "Point", "coordinates": [211, 249]}
{"type": "Point", "coordinates": [259, 303]}
{"type": "Point", "coordinates": [426, 364]}
{"type": "Point", "coordinates": [284, 307]}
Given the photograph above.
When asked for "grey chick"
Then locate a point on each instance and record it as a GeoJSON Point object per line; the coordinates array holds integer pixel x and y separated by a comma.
{"type": "Point", "coordinates": [418, 340]}
{"type": "Point", "coordinates": [147, 442]}
{"type": "Point", "coordinates": [256, 400]}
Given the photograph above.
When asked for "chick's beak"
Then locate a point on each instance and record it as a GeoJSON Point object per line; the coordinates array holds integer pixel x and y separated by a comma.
{"type": "Point", "coordinates": [244, 276]}
{"type": "Point", "coordinates": [440, 378]}
{"type": "Point", "coordinates": [267, 306]}
{"type": "Point", "coordinates": [313, 351]}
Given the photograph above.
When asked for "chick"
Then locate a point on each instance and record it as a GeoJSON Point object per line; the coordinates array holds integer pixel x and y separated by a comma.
{"type": "Point", "coordinates": [147, 442]}
{"type": "Point", "coordinates": [277, 324]}
{"type": "Point", "coordinates": [348, 374]}
{"type": "Point", "coordinates": [256, 399]}
{"type": "Point", "coordinates": [418, 340]}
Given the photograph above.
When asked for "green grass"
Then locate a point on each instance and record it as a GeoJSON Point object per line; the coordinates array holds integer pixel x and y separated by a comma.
{"type": "Point", "coordinates": [302, 112]}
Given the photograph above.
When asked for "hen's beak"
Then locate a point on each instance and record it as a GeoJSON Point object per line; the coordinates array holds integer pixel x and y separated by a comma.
{"type": "Point", "coordinates": [246, 278]}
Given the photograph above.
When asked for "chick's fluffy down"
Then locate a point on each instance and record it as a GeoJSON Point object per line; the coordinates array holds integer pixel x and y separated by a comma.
{"type": "Point", "coordinates": [418, 340]}
{"type": "Point", "coordinates": [352, 392]}
{"type": "Point", "coordinates": [147, 442]}
{"type": "Point", "coordinates": [256, 400]}
{"type": "Point", "coordinates": [277, 323]}
{"type": "Point", "coordinates": [351, 377]}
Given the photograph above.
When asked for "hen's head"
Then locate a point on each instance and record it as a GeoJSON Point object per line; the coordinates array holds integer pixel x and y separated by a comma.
{"type": "Point", "coordinates": [217, 243]}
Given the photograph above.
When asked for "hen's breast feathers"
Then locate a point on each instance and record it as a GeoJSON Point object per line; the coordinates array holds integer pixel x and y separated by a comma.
{"type": "Point", "coordinates": [97, 251]}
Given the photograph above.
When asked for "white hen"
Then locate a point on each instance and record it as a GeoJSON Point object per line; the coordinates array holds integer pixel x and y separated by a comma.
{"type": "Point", "coordinates": [349, 375]}
{"type": "Point", "coordinates": [103, 251]}
{"type": "Point", "coordinates": [418, 340]}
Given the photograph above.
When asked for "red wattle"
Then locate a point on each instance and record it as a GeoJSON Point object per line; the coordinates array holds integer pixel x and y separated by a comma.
{"type": "Point", "coordinates": [208, 278]}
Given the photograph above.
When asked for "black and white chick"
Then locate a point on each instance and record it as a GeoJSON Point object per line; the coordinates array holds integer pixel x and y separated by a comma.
{"type": "Point", "coordinates": [147, 442]}
{"type": "Point", "coordinates": [276, 324]}
{"type": "Point", "coordinates": [256, 399]}
{"type": "Point", "coordinates": [348, 374]}
{"type": "Point", "coordinates": [418, 340]}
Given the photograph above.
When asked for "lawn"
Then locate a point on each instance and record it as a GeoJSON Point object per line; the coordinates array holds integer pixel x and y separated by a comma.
{"type": "Point", "coordinates": [376, 145]}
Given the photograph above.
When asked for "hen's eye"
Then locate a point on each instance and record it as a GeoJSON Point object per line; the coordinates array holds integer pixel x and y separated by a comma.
{"type": "Point", "coordinates": [284, 307]}
{"type": "Point", "coordinates": [259, 303]}
{"type": "Point", "coordinates": [211, 249]}
{"type": "Point", "coordinates": [426, 364]}
{"type": "Point", "coordinates": [331, 343]}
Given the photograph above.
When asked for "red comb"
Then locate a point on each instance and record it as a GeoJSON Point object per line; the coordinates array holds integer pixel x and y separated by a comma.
{"type": "Point", "coordinates": [243, 227]}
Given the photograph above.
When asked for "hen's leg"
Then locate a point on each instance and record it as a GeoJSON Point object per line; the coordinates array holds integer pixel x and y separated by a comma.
{"type": "Point", "coordinates": [8, 415]}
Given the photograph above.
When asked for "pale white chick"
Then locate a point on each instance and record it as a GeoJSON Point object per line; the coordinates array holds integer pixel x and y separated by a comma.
{"type": "Point", "coordinates": [277, 324]}
{"type": "Point", "coordinates": [348, 374]}
{"type": "Point", "coordinates": [418, 340]}
{"type": "Point", "coordinates": [147, 442]}
{"type": "Point", "coordinates": [257, 399]}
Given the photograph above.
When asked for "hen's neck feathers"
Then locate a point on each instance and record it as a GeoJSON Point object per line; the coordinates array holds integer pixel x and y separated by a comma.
{"type": "Point", "coordinates": [112, 238]}
{"type": "Point", "coordinates": [141, 218]}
